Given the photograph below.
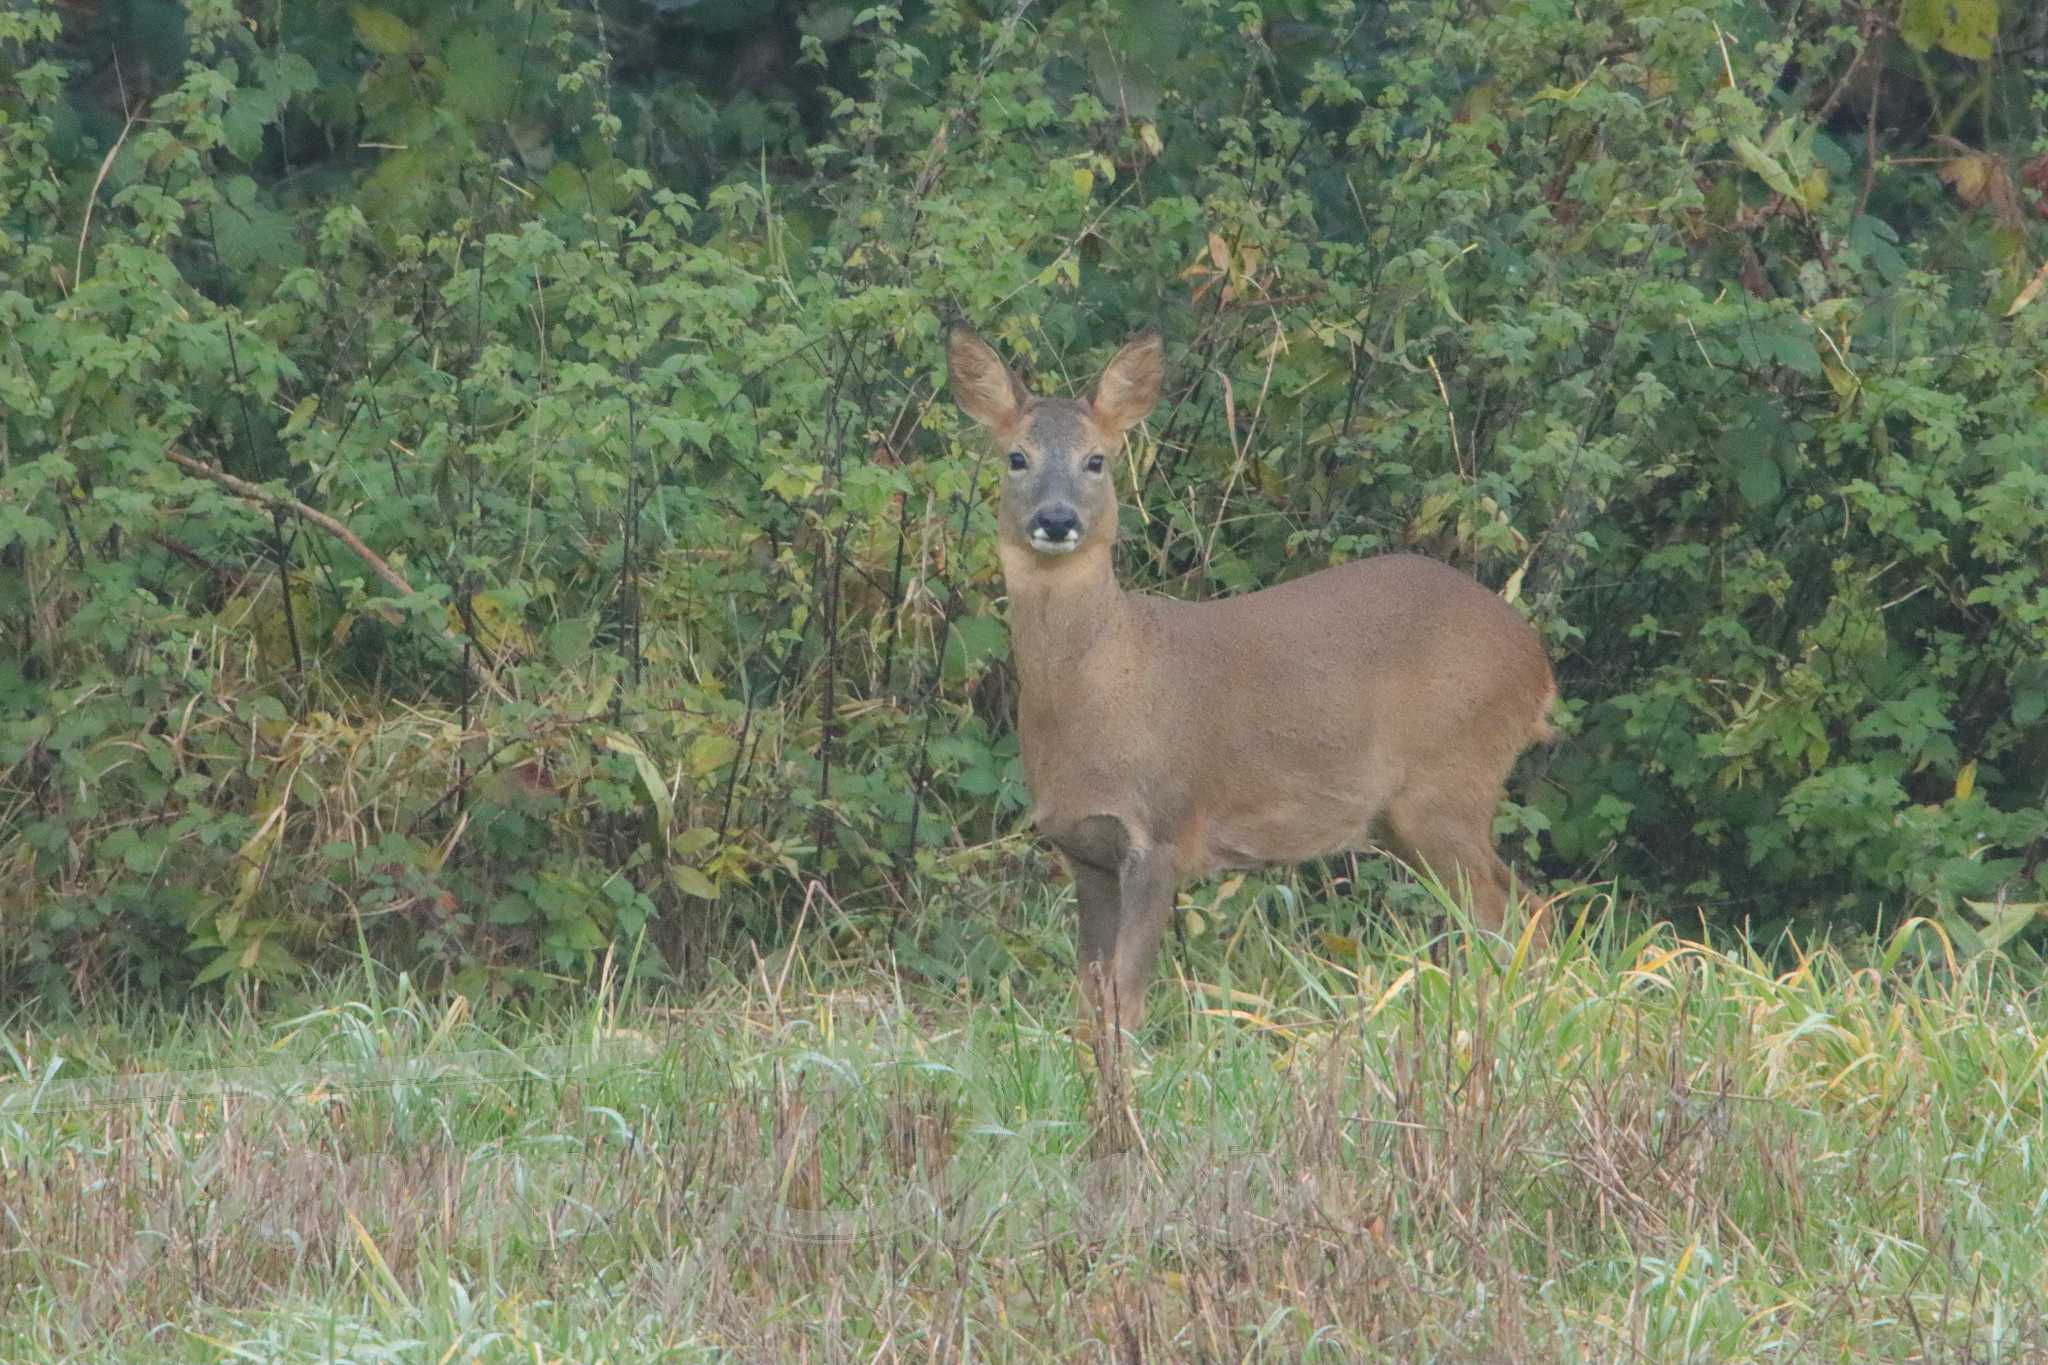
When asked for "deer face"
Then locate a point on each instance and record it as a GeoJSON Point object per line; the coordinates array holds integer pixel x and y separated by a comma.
{"type": "Point", "coordinates": [1058, 495]}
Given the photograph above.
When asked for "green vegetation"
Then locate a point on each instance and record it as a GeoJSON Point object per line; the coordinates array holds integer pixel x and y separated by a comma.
{"type": "Point", "coordinates": [650, 582]}
{"type": "Point", "coordinates": [1637, 1151]}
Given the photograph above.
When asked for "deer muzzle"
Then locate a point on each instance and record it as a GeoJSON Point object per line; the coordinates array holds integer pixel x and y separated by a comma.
{"type": "Point", "coordinates": [1055, 530]}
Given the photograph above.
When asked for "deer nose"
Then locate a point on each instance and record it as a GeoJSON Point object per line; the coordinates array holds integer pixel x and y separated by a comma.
{"type": "Point", "coordinates": [1056, 523]}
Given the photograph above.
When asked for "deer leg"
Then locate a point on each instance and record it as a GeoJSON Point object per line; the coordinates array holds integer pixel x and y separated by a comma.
{"type": "Point", "coordinates": [1149, 878]}
{"type": "Point", "coordinates": [1450, 837]}
{"type": "Point", "coordinates": [1100, 899]}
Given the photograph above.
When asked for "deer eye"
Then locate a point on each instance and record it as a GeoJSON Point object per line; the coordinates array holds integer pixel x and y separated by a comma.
{"type": "Point", "coordinates": [1016, 459]}
{"type": "Point", "coordinates": [1094, 465]}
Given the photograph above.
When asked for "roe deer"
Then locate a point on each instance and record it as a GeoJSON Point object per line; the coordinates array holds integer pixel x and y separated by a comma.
{"type": "Point", "coordinates": [1380, 701]}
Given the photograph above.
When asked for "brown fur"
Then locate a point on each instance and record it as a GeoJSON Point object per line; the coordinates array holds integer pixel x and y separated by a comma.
{"type": "Point", "coordinates": [1378, 701]}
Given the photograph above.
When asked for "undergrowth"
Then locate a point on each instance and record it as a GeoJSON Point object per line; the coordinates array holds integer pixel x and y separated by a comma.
{"type": "Point", "coordinates": [476, 482]}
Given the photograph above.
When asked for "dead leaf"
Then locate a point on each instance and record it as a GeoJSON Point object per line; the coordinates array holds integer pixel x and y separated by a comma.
{"type": "Point", "coordinates": [2030, 292]}
{"type": "Point", "coordinates": [1980, 178]}
{"type": "Point", "coordinates": [1969, 176]}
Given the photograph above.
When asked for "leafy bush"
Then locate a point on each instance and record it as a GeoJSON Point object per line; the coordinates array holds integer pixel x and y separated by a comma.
{"type": "Point", "coordinates": [1709, 333]}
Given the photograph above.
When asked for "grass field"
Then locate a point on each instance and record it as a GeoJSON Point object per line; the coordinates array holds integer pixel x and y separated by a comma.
{"type": "Point", "coordinates": [1640, 1149]}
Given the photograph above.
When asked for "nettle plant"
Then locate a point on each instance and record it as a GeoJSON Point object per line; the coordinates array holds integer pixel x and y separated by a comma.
{"type": "Point", "coordinates": [667, 586]}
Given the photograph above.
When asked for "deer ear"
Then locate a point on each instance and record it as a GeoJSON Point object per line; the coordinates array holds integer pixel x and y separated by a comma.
{"type": "Point", "coordinates": [1130, 385]}
{"type": "Point", "coordinates": [982, 384]}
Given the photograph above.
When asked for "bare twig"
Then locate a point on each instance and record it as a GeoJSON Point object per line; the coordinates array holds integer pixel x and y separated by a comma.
{"type": "Point", "coordinates": [1450, 415]}
{"type": "Point", "coordinates": [1869, 150]}
{"type": "Point", "coordinates": [92, 199]}
{"type": "Point", "coordinates": [1240, 449]}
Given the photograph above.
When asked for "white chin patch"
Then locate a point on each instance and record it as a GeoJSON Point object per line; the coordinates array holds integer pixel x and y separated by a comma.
{"type": "Point", "coordinates": [1046, 545]}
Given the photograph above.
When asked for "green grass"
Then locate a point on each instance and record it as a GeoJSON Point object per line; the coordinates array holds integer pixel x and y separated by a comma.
{"type": "Point", "coordinates": [1634, 1150]}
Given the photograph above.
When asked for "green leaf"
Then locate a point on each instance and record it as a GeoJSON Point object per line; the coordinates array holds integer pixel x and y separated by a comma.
{"type": "Point", "coordinates": [216, 969]}
{"type": "Point", "coordinates": [1765, 165]}
{"type": "Point", "coordinates": [660, 809]}
{"type": "Point", "coordinates": [1879, 244]}
{"type": "Point", "coordinates": [2029, 704]}
{"type": "Point", "coordinates": [249, 234]}
{"type": "Point", "coordinates": [972, 642]}
{"type": "Point", "coordinates": [482, 80]}
{"type": "Point", "coordinates": [1751, 453]}
{"type": "Point", "coordinates": [1796, 351]}
{"type": "Point", "coordinates": [2004, 920]}
{"type": "Point", "coordinates": [244, 122]}
{"type": "Point", "coordinates": [691, 882]}
{"type": "Point", "coordinates": [286, 74]}
{"type": "Point", "coordinates": [1760, 481]}
{"type": "Point", "coordinates": [511, 910]}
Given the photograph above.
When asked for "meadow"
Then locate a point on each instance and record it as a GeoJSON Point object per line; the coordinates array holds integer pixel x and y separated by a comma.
{"type": "Point", "coordinates": [1323, 1147]}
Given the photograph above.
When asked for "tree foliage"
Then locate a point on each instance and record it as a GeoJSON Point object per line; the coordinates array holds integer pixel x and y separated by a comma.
{"type": "Point", "coordinates": [1710, 333]}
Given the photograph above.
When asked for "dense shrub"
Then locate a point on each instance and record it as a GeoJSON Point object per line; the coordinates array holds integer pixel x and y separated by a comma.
{"type": "Point", "coordinates": [1708, 332]}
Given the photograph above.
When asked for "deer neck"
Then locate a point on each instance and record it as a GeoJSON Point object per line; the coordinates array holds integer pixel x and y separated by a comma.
{"type": "Point", "coordinates": [1060, 612]}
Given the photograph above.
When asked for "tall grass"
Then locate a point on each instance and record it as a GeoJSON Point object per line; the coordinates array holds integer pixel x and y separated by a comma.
{"type": "Point", "coordinates": [1631, 1149]}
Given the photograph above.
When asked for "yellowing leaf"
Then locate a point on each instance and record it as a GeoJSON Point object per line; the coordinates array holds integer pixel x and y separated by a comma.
{"type": "Point", "coordinates": [1677, 1279]}
{"type": "Point", "coordinates": [1964, 27]}
{"type": "Point", "coordinates": [1084, 180]}
{"type": "Point", "coordinates": [712, 752]}
{"type": "Point", "coordinates": [1969, 176]}
{"type": "Point", "coordinates": [694, 841]}
{"type": "Point", "coordinates": [1148, 138]}
{"type": "Point", "coordinates": [302, 413]}
{"type": "Point", "coordinates": [2030, 292]}
{"type": "Point", "coordinates": [254, 856]}
{"type": "Point", "coordinates": [1338, 945]}
{"type": "Point", "coordinates": [1066, 268]}
{"type": "Point", "coordinates": [1431, 514]}
{"type": "Point", "coordinates": [795, 482]}
{"type": "Point", "coordinates": [1842, 381]}
{"type": "Point", "coordinates": [381, 31]}
{"type": "Point", "coordinates": [1235, 997]}
{"type": "Point", "coordinates": [497, 621]}
{"type": "Point", "coordinates": [1966, 780]}
{"type": "Point", "coordinates": [600, 697]}
{"type": "Point", "coordinates": [1813, 190]}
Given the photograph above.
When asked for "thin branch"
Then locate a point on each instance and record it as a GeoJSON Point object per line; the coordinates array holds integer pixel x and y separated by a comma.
{"type": "Point", "coordinates": [106, 164]}
{"type": "Point", "coordinates": [472, 672]}
{"type": "Point", "coordinates": [1869, 149]}
{"type": "Point", "coordinates": [242, 488]}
